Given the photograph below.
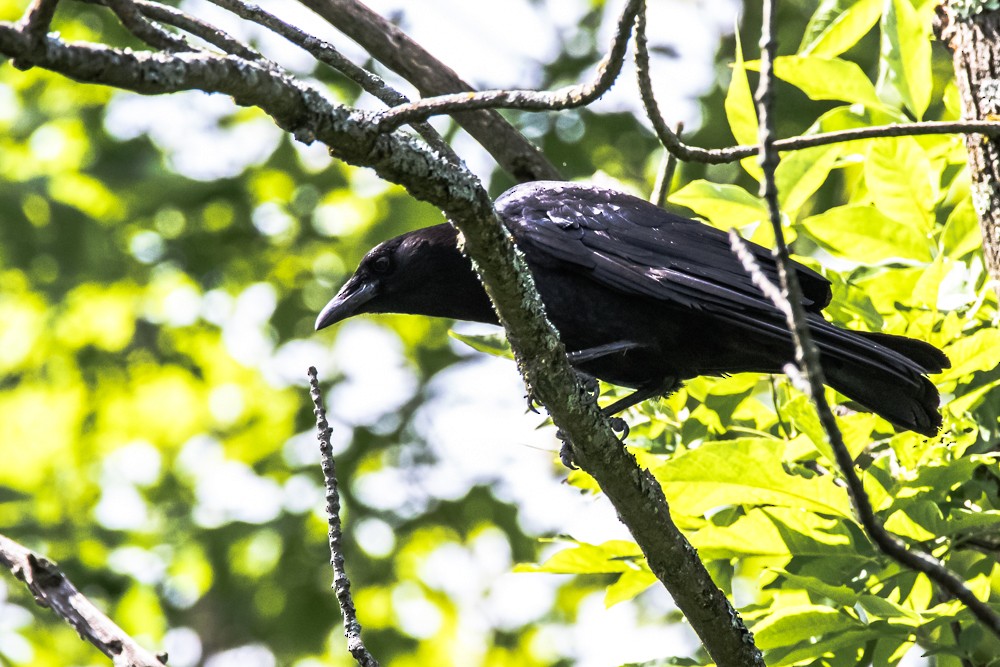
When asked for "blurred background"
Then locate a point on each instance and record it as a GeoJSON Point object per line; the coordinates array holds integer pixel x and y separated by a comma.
{"type": "Point", "coordinates": [162, 260]}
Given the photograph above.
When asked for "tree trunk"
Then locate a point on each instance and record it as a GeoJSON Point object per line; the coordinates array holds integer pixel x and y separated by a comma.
{"type": "Point", "coordinates": [974, 43]}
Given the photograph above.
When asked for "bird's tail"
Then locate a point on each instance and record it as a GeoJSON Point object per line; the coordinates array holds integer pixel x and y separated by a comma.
{"type": "Point", "coordinates": [886, 374]}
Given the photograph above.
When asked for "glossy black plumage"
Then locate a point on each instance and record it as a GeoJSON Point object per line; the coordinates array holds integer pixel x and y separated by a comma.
{"type": "Point", "coordinates": [644, 299]}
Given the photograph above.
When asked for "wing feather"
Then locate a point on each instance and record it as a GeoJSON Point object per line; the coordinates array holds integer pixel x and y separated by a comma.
{"type": "Point", "coordinates": [636, 247]}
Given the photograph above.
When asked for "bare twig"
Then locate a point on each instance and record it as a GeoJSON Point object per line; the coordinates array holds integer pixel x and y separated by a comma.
{"type": "Point", "coordinates": [789, 299]}
{"type": "Point", "coordinates": [394, 49]}
{"type": "Point", "coordinates": [197, 27]}
{"type": "Point", "coordinates": [527, 100]}
{"type": "Point", "coordinates": [341, 583]}
{"type": "Point", "coordinates": [325, 53]}
{"type": "Point", "coordinates": [52, 589]}
{"type": "Point", "coordinates": [665, 176]}
{"type": "Point", "coordinates": [149, 32]}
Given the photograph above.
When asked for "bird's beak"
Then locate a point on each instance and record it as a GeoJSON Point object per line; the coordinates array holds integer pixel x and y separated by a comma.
{"type": "Point", "coordinates": [350, 300]}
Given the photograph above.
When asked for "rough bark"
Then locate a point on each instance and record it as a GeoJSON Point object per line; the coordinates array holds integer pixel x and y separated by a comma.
{"type": "Point", "coordinates": [974, 43]}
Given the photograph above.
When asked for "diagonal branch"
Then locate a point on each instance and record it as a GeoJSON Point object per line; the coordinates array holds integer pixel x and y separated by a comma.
{"type": "Point", "coordinates": [394, 49]}
{"type": "Point", "coordinates": [52, 589]}
{"type": "Point", "coordinates": [541, 357]}
{"type": "Point", "coordinates": [570, 97]}
{"type": "Point", "coordinates": [790, 300]}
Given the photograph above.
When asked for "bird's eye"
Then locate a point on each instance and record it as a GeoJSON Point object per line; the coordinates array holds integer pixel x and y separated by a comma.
{"type": "Point", "coordinates": [382, 264]}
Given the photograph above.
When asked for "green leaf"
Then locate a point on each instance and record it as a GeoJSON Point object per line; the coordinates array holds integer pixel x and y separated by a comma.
{"type": "Point", "coordinates": [905, 63]}
{"type": "Point", "coordinates": [801, 412]}
{"type": "Point", "coordinates": [493, 343]}
{"type": "Point", "coordinates": [842, 595]}
{"type": "Point", "coordinates": [745, 471]}
{"type": "Point", "coordinates": [741, 111]}
{"type": "Point", "coordinates": [901, 180]}
{"type": "Point", "coordinates": [972, 353]}
{"type": "Point", "coordinates": [780, 532]}
{"type": "Point", "coordinates": [789, 626]}
{"type": "Point", "coordinates": [722, 204]}
{"type": "Point", "coordinates": [582, 558]}
{"type": "Point", "coordinates": [837, 25]}
{"type": "Point", "coordinates": [864, 235]}
{"type": "Point", "coordinates": [628, 586]}
{"type": "Point", "coordinates": [801, 173]}
{"type": "Point", "coordinates": [881, 608]}
{"type": "Point", "coordinates": [904, 524]}
{"type": "Point", "coordinates": [961, 233]}
{"type": "Point", "coordinates": [965, 403]}
{"type": "Point", "coordinates": [825, 78]}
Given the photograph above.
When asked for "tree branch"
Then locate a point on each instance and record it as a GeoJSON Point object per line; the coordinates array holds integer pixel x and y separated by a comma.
{"type": "Point", "coordinates": [147, 31]}
{"type": "Point", "coordinates": [789, 299]}
{"type": "Point", "coordinates": [569, 97]}
{"type": "Point", "coordinates": [341, 582]}
{"type": "Point", "coordinates": [394, 49]}
{"type": "Point", "coordinates": [195, 26]}
{"type": "Point", "coordinates": [325, 53]}
{"type": "Point", "coordinates": [541, 357]}
{"type": "Point", "coordinates": [52, 589]}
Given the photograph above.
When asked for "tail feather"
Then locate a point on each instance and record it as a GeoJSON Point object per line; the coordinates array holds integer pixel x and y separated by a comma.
{"type": "Point", "coordinates": [886, 374]}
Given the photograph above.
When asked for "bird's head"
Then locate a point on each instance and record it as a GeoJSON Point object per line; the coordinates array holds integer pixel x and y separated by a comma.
{"type": "Point", "coordinates": [419, 273]}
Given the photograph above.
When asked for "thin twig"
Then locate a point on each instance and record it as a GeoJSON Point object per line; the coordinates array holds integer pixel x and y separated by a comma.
{"type": "Point", "coordinates": [665, 176]}
{"type": "Point", "coordinates": [199, 28]}
{"type": "Point", "coordinates": [570, 97]}
{"type": "Point", "coordinates": [195, 26]}
{"type": "Point", "coordinates": [52, 589]}
{"type": "Point", "coordinates": [147, 31]}
{"type": "Point", "coordinates": [789, 299]}
{"type": "Point", "coordinates": [327, 54]}
{"type": "Point", "coordinates": [341, 583]}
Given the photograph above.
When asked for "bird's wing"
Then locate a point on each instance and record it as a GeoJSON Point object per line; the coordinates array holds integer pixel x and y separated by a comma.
{"type": "Point", "coordinates": [633, 246]}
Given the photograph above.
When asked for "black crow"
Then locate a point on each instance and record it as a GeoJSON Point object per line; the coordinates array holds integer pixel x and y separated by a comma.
{"type": "Point", "coordinates": [645, 299]}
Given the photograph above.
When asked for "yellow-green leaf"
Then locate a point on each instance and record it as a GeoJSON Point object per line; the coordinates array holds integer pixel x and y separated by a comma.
{"type": "Point", "coordinates": [906, 55]}
{"type": "Point", "coordinates": [825, 78]}
{"type": "Point", "coordinates": [837, 25]}
{"type": "Point", "coordinates": [961, 233]}
{"type": "Point", "coordinates": [628, 586]}
{"type": "Point", "coordinates": [741, 112]}
{"type": "Point", "coordinates": [744, 471]}
{"type": "Point", "coordinates": [801, 173]}
{"type": "Point", "coordinates": [790, 625]}
{"type": "Point", "coordinates": [722, 204]}
{"type": "Point", "coordinates": [780, 532]}
{"type": "Point", "coordinates": [979, 351]}
{"type": "Point", "coordinates": [862, 234]}
{"type": "Point", "coordinates": [901, 181]}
